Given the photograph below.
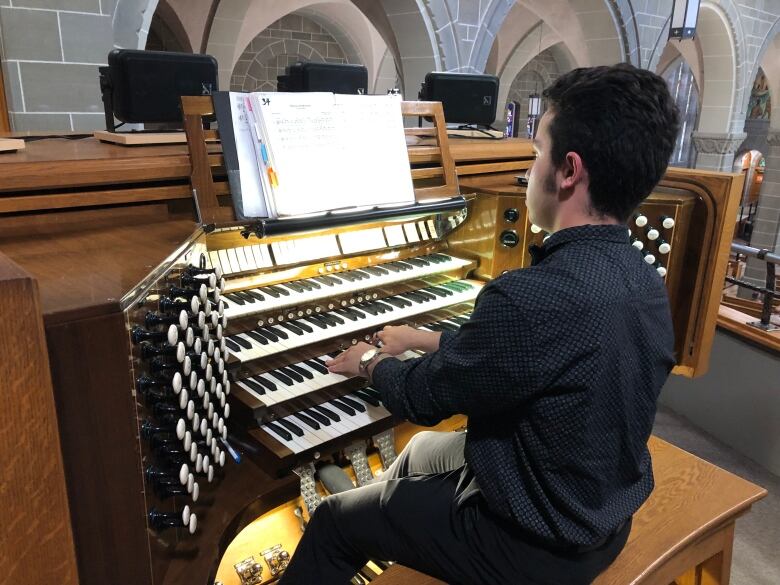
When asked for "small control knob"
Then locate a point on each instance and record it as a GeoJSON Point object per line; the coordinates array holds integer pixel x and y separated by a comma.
{"type": "Point", "coordinates": [667, 222]}
{"type": "Point", "coordinates": [660, 269]}
{"type": "Point", "coordinates": [649, 257]}
{"type": "Point", "coordinates": [196, 271]}
{"type": "Point", "coordinates": [152, 319]}
{"type": "Point", "coordinates": [149, 351]}
{"type": "Point", "coordinates": [509, 238]}
{"type": "Point", "coordinates": [640, 220]}
{"type": "Point", "coordinates": [511, 215]}
{"type": "Point", "coordinates": [193, 280]}
{"type": "Point", "coordinates": [663, 246]}
{"type": "Point", "coordinates": [637, 243]}
{"type": "Point", "coordinates": [652, 233]}
{"type": "Point", "coordinates": [168, 305]}
{"type": "Point", "coordinates": [201, 292]}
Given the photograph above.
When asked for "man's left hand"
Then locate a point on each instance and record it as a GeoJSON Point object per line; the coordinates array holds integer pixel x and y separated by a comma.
{"type": "Point", "coordinates": [347, 363]}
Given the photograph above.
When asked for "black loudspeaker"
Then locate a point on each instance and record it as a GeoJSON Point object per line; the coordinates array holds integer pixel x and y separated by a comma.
{"type": "Point", "coordinates": [334, 77]}
{"type": "Point", "coordinates": [467, 98]}
{"type": "Point", "coordinates": [146, 86]}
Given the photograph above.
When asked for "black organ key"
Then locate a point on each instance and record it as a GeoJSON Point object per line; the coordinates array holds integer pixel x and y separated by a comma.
{"type": "Point", "coordinates": [279, 290]}
{"type": "Point", "coordinates": [259, 388]}
{"type": "Point", "coordinates": [316, 321]}
{"type": "Point", "coordinates": [291, 327]}
{"type": "Point", "coordinates": [348, 276]}
{"type": "Point", "coordinates": [439, 291]}
{"type": "Point", "coordinates": [234, 299]}
{"type": "Point", "coordinates": [255, 295]}
{"type": "Point", "coordinates": [416, 262]}
{"type": "Point", "coordinates": [279, 431]}
{"type": "Point", "coordinates": [367, 397]}
{"type": "Point", "coordinates": [343, 407]}
{"type": "Point", "coordinates": [301, 325]}
{"type": "Point", "coordinates": [233, 346]}
{"type": "Point", "coordinates": [291, 374]}
{"type": "Point", "coordinates": [391, 267]}
{"type": "Point", "coordinates": [281, 377]}
{"type": "Point", "coordinates": [345, 313]}
{"type": "Point", "coordinates": [301, 371]}
{"type": "Point", "coordinates": [269, 290]}
{"type": "Point", "coordinates": [242, 342]}
{"type": "Point", "coordinates": [403, 265]}
{"type": "Point", "coordinates": [319, 417]}
{"type": "Point", "coordinates": [268, 334]}
{"type": "Point", "coordinates": [305, 285]}
{"type": "Point", "coordinates": [257, 337]}
{"type": "Point", "coordinates": [277, 331]}
{"type": "Point", "coordinates": [353, 404]}
{"type": "Point", "coordinates": [263, 381]}
{"type": "Point", "coordinates": [307, 420]}
{"type": "Point", "coordinates": [290, 427]}
{"type": "Point", "coordinates": [316, 366]}
{"type": "Point", "coordinates": [327, 412]}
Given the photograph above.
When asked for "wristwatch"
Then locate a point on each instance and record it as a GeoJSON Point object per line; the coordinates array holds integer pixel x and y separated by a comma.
{"type": "Point", "coordinates": [367, 358]}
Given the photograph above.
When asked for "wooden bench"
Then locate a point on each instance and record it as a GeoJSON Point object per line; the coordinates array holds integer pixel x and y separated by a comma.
{"type": "Point", "coordinates": [682, 535]}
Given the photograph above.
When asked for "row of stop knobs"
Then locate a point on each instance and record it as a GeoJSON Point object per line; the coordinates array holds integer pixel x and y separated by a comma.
{"type": "Point", "coordinates": [185, 388]}
{"type": "Point", "coordinates": [660, 247]}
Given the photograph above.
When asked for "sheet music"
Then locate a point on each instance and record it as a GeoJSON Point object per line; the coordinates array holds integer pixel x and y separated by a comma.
{"type": "Point", "coordinates": [326, 152]}
{"type": "Point", "coordinates": [252, 195]}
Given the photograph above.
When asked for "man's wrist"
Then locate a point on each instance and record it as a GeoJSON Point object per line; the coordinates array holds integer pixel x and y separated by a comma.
{"type": "Point", "coordinates": [373, 363]}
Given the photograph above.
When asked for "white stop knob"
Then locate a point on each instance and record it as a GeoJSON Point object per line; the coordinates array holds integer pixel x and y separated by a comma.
{"type": "Point", "coordinates": [195, 493]}
{"type": "Point", "coordinates": [183, 398]}
{"type": "Point", "coordinates": [185, 515]}
{"type": "Point", "coordinates": [201, 388]}
{"type": "Point", "coordinates": [173, 335]}
{"type": "Point", "coordinates": [661, 270]}
{"type": "Point", "coordinates": [189, 338]}
{"type": "Point", "coordinates": [204, 426]}
{"type": "Point", "coordinates": [210, 475]}
{"type": "Point", "coordinates": [183, 320]}
{"type": "Point", "coordinates": [638, 244]}
{"type": "Point", "coordinates": [180, 352]}
{"type": "Point", "coordinates": [193, 524]}
{"type": "Point", "coordinates": [184, 472]}
{"type": "Point", "coordinates": [227, 411]}
{"type": "Point", "coordinates": [641, 220]}
{"type": "Point", "coordinates": [650, 259]}
{"type": "Point", "coordinates": [194, 304]}
{"type": "Point", "coordinates": [668, 223]}
{"type": "Point", "coordinates": [186, 366]}
{"type": "Point", "coordinates": [664, 248]}
{"type": "Point", "coordinates": [218, 272]}
{"type": "Point", "coordinates": [535, 229]}
{"type": "Point", "coordinates": [190, 483]}
{"type": "Point", "coordinates": [187, 441]}
{"type": "Point", "coordinates": [177, 383]}
{"type": "Point", "coordinates": [190, 410]}
{"type": "Point", "coordinates": [652, 234]}
{"type": "Point", "coordinates": [181, 429]}
{"type": "Point", "coordinates": [202, 293]}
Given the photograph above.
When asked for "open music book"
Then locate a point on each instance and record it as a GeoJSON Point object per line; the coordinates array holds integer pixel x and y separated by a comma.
{"type": "Point", "coordinates": [302, 153]}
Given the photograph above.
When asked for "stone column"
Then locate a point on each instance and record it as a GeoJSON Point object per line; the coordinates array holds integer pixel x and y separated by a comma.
{"type": "Point", "coordinates": [715, 152]}
{"type": "Point", "coordinates": [766, 228]}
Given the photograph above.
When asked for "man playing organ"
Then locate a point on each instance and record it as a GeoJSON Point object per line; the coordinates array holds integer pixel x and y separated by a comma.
{"type": "Point", "coordinates": [558, 370]}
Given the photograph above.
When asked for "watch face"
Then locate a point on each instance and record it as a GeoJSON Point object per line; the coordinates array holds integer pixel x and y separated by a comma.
{"type": "Point", "coordinates": [368, 355]}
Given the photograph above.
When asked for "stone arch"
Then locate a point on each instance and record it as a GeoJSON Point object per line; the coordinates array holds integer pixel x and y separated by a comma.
{"type": "Point", "coordinates": [167, 20]}
{"type": "Point", "coordinates": [131, 22]}
{"type": "Point", "coordinates": [297, 49]}
{"type": "Point", "coordinates": [720, 62]}
{"type": "Point", "coordinates": [237, 22]}
{"type": "Point", "coordinates": [537, 74]}
{"type": "Point", "coordinates": [524, 52]}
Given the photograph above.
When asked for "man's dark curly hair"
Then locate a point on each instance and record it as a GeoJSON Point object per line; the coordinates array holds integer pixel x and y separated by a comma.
{"type": "Point", "coordinates": [623, 123]}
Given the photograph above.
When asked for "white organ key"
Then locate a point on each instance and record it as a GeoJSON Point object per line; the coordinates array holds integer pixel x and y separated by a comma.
{"type": "Point", "coordinates": [233, 257]}
{"type": "Point", "coordinates": [214, 259]}
{"type": "Point", "coordinates": [245, 261]}
{"type": "Point", "coordinates": [423, 230]}
{"type": "Point", "coordinates": [224, 261]}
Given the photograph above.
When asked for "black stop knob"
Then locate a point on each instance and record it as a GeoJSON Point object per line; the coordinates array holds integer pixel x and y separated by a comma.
{"type": "Point", "coordinates": [509, 238]}
{"type": "Point", "coordinates": [511, 215]}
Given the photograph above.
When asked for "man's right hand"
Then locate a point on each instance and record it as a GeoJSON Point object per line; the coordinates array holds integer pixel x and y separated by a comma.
{"type": "Point", "coordinates": [398, 339]}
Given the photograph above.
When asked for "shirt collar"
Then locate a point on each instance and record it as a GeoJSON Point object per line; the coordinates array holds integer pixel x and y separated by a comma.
{"type": "Point", "coordinates": [616, 233]}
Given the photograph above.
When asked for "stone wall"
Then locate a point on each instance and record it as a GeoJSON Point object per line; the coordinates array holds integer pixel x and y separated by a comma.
{"type": "Point", "coordinates": [290, 39]}
{"type": "Point", "coordinates": [538, 73]}
{"type": "Point", "coordinates": [51, 53]}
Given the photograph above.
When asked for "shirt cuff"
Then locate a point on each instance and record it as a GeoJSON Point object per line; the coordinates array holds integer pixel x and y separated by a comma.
{"type": "Point", "coordinates": [382, 378]}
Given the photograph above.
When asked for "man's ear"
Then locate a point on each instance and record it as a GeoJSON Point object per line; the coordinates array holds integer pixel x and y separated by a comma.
{"type": "Point", "coordinates": [573, 170]}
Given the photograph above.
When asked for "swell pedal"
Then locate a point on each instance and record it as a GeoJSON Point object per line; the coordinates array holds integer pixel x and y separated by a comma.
{"type": "Point", "coordinates": [385, 444]}
{"type": "Point", "coordinates": [311, 498]}
{"type": "Point", "coordinates": [356, 454]}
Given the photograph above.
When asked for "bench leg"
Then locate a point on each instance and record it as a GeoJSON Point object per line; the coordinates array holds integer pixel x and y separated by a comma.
{"type": "Point", "coordinates": [716, 570]}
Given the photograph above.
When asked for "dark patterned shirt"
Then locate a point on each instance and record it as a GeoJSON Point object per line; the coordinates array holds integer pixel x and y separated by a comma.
{"type": "Point", "coordinates": [558, 370]}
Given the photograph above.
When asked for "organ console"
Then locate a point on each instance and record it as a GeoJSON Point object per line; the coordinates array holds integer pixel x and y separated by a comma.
{"type": "Point", "coordinates": [193, 407]}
